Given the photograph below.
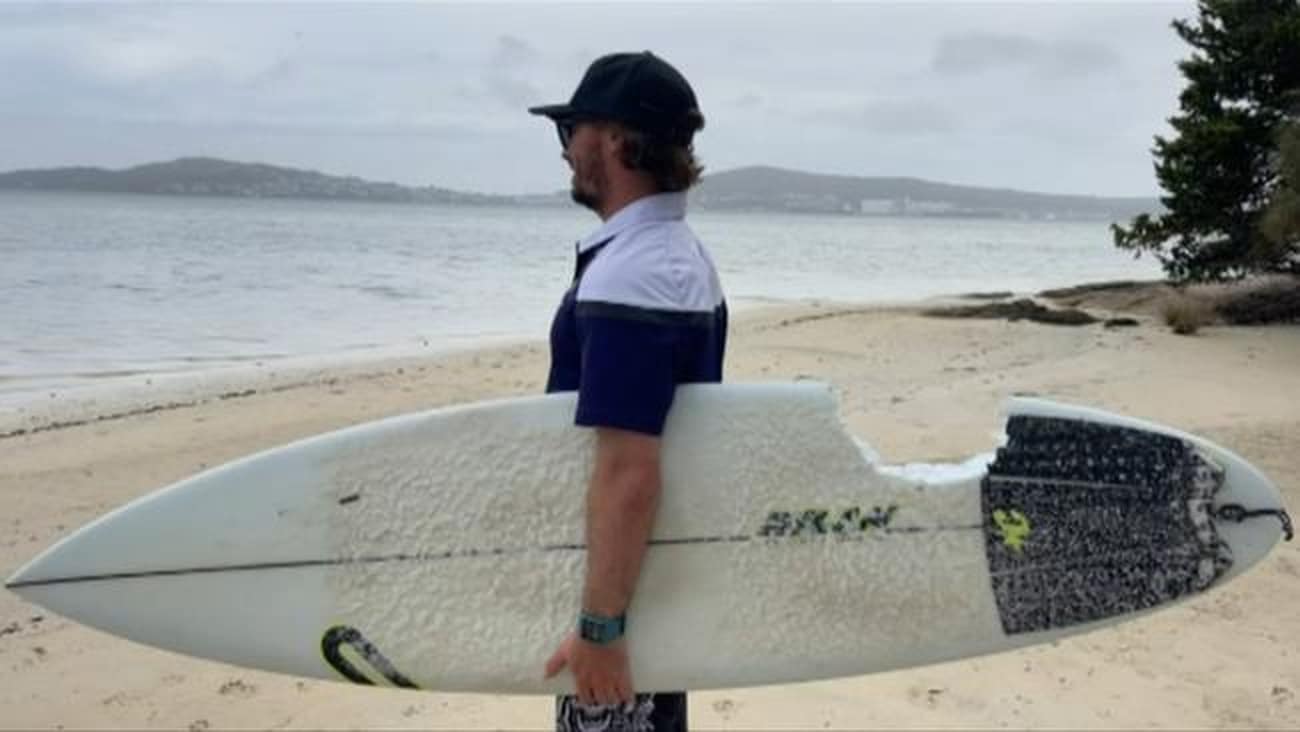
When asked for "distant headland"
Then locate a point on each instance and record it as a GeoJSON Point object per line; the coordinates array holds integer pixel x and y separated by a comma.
{"type": "Point", "coordinates": [756, 188]}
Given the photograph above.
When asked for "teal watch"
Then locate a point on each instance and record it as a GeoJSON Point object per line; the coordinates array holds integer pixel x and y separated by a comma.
{"type": "Point", "coordinates": [600, 629]}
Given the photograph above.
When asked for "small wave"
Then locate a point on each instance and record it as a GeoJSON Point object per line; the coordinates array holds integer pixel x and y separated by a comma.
{"type": "Point", "coordinates": [129, 288]}
{"type": "Point", "coordinates": [256, 340]}
{"type": "Point", "coordinates": [385, 291]}
{"type": "Point", "coordinates": [39, 351]}
{"type": "Point", "coordinates": [42, 377]}
{"type": "Point", "coordinates": [105, 374]}
{"type": "Point", "coordinates": [233, 358]}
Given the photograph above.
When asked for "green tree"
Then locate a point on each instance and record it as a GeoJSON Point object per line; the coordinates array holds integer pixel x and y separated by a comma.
{"type": "Point", "coordinates": [1220, 169]}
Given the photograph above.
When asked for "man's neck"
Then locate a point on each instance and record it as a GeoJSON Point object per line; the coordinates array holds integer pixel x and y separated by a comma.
{"type": "Point", "coordinates": [620, 195]}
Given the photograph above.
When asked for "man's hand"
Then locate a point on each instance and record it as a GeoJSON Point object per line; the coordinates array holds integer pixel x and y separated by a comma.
{"type": "Point", "coordinates": [601, 674]}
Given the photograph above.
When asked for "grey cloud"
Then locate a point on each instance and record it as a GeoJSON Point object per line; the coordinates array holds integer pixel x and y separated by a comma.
{"type": "Point", "coordinates": [1079, 58]}
{"type": "Point", "coordinates": [512, 52]}
{"type": "Point", "coordinates": [974, 53]}
{"type": "Point", "coordinates": [747, 101]}
{"type": "Point", "coordinates": [503, 82]}
{"type": "Point", "coordinates": [512, 92]}
{"type": "Point", "coordinates": [17, 17]}
{"type": "Point", "coordinates": [269, 126]}
{"type": "Point", "coordinates": [415, 130]}
{"type": "Point", "coordinates": [898, 117]}
{"type": "Point", "coordinates": [582, 57]}
{"type": "Point", "coordinates": [279, 71]}
{"type": "Point", "coordinates": [380, 61]}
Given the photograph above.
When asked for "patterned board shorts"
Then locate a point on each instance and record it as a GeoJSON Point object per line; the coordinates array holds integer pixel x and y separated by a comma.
{"type": "Point", "coordinates": [649, 713]}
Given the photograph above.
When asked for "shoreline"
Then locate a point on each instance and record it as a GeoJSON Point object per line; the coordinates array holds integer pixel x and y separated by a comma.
{"type": "Point", "coordinates": [144, 392]}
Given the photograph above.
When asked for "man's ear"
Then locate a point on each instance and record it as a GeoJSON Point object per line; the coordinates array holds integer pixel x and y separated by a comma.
{"type": "Point", "coordinates": [617, 144]}
{"type": "Point", "coordinates": [612, 138]}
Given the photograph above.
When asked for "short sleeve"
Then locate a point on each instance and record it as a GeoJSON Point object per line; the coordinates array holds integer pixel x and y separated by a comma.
{"type": "Point", "coordinates": [628, 377]}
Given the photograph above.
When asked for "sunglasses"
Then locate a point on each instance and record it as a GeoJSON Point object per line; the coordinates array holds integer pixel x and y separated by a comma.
{"type": "Point", "coordinates": [566, 128]}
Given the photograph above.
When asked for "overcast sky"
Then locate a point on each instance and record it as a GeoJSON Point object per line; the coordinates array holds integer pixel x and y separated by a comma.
{"type": "Point", "coordinates": [1041, 96]}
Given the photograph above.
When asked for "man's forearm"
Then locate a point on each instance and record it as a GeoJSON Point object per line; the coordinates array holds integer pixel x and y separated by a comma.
{"type": "Point", "coordinates": [622, 500]}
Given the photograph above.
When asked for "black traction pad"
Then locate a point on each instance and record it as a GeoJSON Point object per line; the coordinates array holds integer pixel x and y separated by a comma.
{"type": "Point", "coordinates": [1085, 521]}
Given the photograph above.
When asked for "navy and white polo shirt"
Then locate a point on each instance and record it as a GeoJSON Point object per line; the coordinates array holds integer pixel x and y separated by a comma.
{"type": "Point", "coordinates": [644, 314]}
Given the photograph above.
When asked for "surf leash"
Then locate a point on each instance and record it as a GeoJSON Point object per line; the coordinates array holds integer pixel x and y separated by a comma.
{"type": "Point", "coordinates": [1237, 513]}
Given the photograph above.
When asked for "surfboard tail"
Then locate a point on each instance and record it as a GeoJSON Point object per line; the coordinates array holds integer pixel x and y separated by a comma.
{"type": "Point", "coordinates": [1091, 515]}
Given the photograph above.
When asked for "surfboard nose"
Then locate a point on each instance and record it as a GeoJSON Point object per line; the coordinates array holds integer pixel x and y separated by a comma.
{"type": "Point", "coordinates": [220, 565]}
{"type": "Point", "coordinates": [233, 515]}
{"type": "Point", "coordinates": [67, 577]}
{"type": "Point", "coordinates": [1248, 511]}
{"type": "Point", "coordinates": [105, 548]}
{"type": "Point", "coordinates": [16, 581]}
{"type": "Point", "coordinates": [120, 548]}
{"type": "Point", "coordinates": [145, 537]}
{"type": "Point", "coordinates": [80, 556]}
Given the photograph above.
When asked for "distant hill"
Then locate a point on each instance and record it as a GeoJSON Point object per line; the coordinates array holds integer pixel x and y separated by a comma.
{"type": "Point", "coordinates": [213, 177]}
{"type": "Point", "coordinates": [766, 188]}
{"type": "Point", "coordinates": [746, 189]}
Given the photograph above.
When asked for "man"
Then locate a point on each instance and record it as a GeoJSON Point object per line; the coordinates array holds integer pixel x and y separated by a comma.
{"type": "Point", "coordinates": [645, 313]}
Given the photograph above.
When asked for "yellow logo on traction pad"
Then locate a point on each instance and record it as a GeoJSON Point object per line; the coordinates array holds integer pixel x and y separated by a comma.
{"type": "Point", "coordinates": [1013, 526]}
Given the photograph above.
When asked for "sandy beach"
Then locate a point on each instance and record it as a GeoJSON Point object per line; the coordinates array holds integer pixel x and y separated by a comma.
{"type": "Point", "coordinates": [916, 388]}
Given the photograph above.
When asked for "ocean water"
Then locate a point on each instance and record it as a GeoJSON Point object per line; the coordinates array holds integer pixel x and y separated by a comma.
{"type": "Point", "coordinates": [102, 287]}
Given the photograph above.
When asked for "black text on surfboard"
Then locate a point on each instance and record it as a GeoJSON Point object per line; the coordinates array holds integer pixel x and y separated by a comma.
{"type": "Point", "coordinates": [852, 521]}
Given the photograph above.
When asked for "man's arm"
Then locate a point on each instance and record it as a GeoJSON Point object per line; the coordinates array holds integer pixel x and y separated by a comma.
{"type": "Point", "coordinates": [622, 499]}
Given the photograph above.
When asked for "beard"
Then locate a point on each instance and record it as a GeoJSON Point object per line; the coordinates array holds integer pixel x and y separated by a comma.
{"type": "Point", "coordinates": [584, 198]}
{"type": "Point", "coordinates": [588, 184]}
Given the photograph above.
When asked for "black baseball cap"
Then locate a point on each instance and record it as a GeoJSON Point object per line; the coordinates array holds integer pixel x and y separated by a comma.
{"type": "Point", "coordinates": [640, 90]}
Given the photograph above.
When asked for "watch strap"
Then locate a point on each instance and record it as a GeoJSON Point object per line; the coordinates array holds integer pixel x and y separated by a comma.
{"type": "Point", "coordinates": [600, 629]}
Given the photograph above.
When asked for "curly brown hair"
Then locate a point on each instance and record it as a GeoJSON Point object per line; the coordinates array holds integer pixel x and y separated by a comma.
{"type": "Point", "coordinates": [673, 165]}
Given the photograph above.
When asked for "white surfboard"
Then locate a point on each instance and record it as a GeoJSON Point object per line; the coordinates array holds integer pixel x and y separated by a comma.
{"type": "Point", "coordinates": [444, 550]}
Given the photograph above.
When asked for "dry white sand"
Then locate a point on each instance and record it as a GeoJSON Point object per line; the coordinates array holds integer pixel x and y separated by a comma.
{"type": "Point", "coordinates": [916, 388]}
